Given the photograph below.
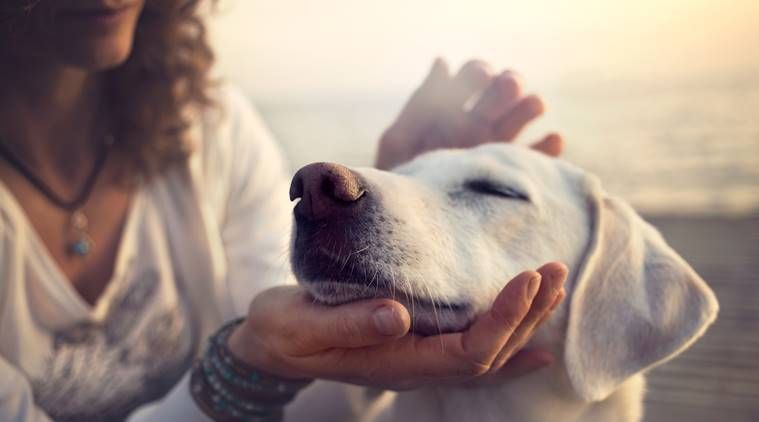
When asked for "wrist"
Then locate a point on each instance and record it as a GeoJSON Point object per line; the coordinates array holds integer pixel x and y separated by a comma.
{"type": "Point", "coordinates": [228, 388]}
{"type": "Point", "coordinates": [246, 347]}
{"type": "Point", "coordinates": [243, 346]}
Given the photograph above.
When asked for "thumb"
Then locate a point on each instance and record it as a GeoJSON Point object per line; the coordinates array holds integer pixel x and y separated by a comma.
{"type": "Point", "coordinates": [551, 144]}
{"type": "Point", "coordinates": [418, 108]}
{"type": "Point", "coordinates": [358, 324]}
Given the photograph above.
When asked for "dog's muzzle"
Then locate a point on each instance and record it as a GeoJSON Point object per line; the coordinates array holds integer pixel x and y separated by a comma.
{"type": "Point", "coordinates": [332, 219]}
{"type": "Point", "coordinates": [343, 248]}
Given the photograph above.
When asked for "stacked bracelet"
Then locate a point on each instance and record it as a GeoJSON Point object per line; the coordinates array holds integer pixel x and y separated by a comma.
{"type": "Point", "coordinates": [228, 389]}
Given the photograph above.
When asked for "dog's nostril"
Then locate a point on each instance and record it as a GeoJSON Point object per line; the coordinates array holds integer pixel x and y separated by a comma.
{"type": "Point", "coordinates": [341, 187]}
{"type": "Point", "coordinates": [296, 187]}
{"type": "Point", "coordinates": [326, 190]}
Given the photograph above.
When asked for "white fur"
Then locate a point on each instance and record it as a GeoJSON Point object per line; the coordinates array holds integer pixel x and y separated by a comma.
{"type": "Point", "coordinates": [632, 302]}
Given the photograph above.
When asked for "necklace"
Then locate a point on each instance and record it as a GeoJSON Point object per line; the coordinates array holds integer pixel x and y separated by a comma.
{"type": "Point", "coordinates": [78, 241]}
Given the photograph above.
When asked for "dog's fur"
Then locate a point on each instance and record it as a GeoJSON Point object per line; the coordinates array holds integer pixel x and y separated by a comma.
{"type": "Point", "coordinates": [446, 247]}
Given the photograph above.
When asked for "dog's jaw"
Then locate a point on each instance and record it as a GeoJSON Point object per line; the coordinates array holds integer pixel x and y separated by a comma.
{"type": "Point", "coordinates": [428, 317]}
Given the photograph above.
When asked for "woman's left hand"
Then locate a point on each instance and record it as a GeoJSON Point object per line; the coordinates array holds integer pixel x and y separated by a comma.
{"type": "Point", "coordinates": [439, 114]}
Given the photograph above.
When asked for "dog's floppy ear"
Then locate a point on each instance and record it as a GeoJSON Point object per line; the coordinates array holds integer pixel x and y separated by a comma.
{"type": "Point", "coordinates": [635, 302]}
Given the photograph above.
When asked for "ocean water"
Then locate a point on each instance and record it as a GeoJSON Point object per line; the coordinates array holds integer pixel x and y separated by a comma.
{"type": "Point", "coordinates": [669, 150]}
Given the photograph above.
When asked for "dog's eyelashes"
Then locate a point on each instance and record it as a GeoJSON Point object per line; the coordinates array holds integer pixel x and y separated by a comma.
{"type": "Point", "coordinates": [487, 187]}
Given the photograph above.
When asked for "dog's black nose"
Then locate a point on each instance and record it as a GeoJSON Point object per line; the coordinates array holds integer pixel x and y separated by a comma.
{"type": "Point", "coordinates": [326, 190]}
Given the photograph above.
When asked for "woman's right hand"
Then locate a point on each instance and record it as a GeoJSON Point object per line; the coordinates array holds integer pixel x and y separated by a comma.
{"type": "Point", "coordinates": [367, 342]}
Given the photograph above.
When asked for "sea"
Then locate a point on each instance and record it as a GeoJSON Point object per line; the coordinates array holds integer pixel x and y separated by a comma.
{"type": "Point", "coordinates": [669, 149]}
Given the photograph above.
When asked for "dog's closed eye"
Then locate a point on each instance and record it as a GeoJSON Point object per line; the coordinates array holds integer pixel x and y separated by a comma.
{"type": "Point", "coordinates": [488, 187]}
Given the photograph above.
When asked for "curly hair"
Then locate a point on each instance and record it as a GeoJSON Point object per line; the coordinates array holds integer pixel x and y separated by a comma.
{"type": "Point", "coordinates": [151, 95]}
{"type": "Point", "coordinates": [166, 74]}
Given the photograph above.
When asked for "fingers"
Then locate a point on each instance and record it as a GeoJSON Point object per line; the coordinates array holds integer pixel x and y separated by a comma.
{"type": "Point", "coordinates": [439, 73]}
{"type": "Point", "coordinates": [524, 111]}
{"type": "Point", "coordinates": [472, 352]}
{"type": "Point", "coordinates": [428, 94]}
{"type": "Point", "coordinates": [551, 144]}
{"type": "Point", "coordinates": [433, 117]}
{"type": "Point", "coordinates": [356, 324]}
{"type": "Point", "coordinates": [492, 330]}
{"type": "Point", "coordinates": [553, 276]}
{"type": "Point", "coordinates": [412, 360]}
{"type": "Point", "coordinates": [451, 92]}
{"type": "Point", "coordinates": [436, 116]}
{"type": "Point", "coordinates": [290, 317]}
{"type": "Point", "coordinates": [498, 99]}
{"type": "Point", "coordinates": [447, 356]}
{"type": "Point", "coordinates": [559, 298]}
{"type": "Point", "coordinates": [473, 77]}
{"type": "Point", "coordinates": [423, 103]}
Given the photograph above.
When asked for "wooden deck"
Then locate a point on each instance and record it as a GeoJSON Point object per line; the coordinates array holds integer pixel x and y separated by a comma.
{"type": "Point", "coordinates": [718, 378]}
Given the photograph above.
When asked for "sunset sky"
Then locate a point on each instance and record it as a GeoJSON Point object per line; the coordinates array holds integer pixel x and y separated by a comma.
{"type": "Point", "coordinates": [303, 48]}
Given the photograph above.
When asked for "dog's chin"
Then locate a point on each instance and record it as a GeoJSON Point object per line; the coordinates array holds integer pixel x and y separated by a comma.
{"type": "Point", "coordinates": [428, 317]}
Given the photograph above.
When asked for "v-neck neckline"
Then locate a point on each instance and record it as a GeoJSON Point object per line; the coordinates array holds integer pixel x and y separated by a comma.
{"type": "Point", "coordinates": [59, 283]}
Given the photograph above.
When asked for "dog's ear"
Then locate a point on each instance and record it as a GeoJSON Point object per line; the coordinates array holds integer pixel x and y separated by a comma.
{"type": "Point", "coordinates": [635, 302]}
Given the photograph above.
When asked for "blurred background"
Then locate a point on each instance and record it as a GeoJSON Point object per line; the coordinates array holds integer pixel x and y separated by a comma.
{"type": "Point", "coordinates": [660, 98]}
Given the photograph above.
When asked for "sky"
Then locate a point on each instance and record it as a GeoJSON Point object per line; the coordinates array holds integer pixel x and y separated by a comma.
{"type": "Point", "coordinates": [283, 49]}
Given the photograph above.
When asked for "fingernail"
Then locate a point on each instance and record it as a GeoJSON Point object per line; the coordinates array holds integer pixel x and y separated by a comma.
{"type": "Point", "coordinates": [387, 321]}
{"type": "Point", "coordinates": [559, 297]}
{"type": "Point", "coordinates": [532, 286]}
{"type": "Point", "coordinates": [559, 275]}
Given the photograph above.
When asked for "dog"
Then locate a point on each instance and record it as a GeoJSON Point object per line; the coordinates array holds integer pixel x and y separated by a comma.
{"type": "Point", "coordinates": [442, 233]}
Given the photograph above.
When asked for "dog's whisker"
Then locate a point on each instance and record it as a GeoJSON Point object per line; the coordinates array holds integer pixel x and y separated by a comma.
{"type": "Point", "coordinates": [437, 319]}
{"type": "Point", "coordinates": [392, 277]}
{"type": "Point", "coordinates": [406, 293]}
{"type": "Point", "coordinates": [413, 308]}
{"type": "Point", "coordinates": [375, 280]}
{"type": "Point", "coordinates": [358, 251]}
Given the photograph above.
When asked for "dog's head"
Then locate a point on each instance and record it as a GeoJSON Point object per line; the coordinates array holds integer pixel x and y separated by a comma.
{"type": "Point", "coordinates": [445, 232]}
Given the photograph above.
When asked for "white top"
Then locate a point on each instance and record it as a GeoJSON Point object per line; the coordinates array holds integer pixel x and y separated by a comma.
{"type": "Point", "coordinates": [199, 243]}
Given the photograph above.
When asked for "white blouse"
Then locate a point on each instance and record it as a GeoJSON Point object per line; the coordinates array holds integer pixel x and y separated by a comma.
{"type": "Point", "coordinates": [199, 243]}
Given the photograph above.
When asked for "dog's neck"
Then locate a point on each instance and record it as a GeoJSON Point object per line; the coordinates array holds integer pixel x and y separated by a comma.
{"type": "Point", "coordinates": [490, 402]}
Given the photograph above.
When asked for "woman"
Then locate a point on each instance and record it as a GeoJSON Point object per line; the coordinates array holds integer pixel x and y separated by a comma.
{"type": "Point", "coordinates": [141, 208]}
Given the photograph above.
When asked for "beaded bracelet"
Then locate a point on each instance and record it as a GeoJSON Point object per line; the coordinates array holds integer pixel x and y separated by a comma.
{"type": "Point", "coordinates": [228, 389]}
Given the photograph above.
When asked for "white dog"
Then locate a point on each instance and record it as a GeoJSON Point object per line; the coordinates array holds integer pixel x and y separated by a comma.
{"type": "Point", "coordinates": [442, 234]}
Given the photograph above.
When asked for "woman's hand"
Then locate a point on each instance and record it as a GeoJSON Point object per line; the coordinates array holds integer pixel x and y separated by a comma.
{"type": "Point", "coordinates": [367, 342]}
{"type": "Point", "coordinates": [439, 114]}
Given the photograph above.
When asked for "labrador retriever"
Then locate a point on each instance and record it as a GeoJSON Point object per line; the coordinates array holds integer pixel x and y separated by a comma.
{"type": "Point", "coordinates": [443, 232]}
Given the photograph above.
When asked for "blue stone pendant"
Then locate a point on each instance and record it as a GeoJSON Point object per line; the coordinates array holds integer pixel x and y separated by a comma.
{"type": "Point", "coordinates": [81, 247]}
{"type": "Point", "coordinates": [82, 243]}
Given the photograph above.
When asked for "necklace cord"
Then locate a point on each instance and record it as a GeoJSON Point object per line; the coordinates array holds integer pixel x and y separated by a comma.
{"type": "Point", "coordinates": [69, 205]}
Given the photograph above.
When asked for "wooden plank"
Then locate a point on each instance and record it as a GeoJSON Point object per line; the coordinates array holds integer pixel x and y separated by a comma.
{"type": "Point", "coordinates": [718, 378]}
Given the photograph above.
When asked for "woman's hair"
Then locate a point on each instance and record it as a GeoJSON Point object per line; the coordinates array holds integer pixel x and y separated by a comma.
{"type": "Point", "coordinates": [164, 79]}
{"type": "Point", "coordinates": [166, 76]}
